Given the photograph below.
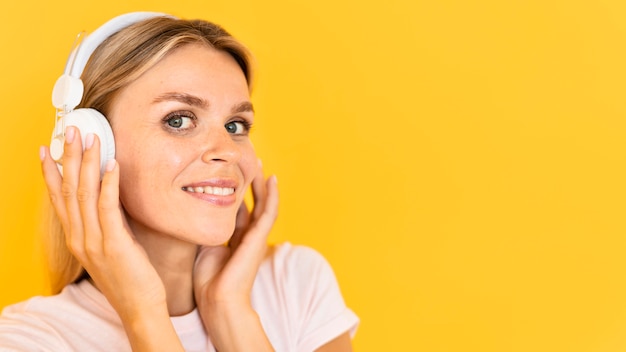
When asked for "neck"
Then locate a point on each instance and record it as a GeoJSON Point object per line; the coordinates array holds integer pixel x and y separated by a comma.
{"type": "Point", "coordinates": [173, 260]}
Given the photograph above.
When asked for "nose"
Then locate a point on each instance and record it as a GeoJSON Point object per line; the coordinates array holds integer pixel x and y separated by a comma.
{"type": "Point", "coordinates": [220, 146]}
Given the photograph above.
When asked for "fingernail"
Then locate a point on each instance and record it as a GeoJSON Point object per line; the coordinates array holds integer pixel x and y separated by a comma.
{"type": "Point", "coordinates": [260, 162]}
{"type": "Point", "coordinates": [42, 153]}
{"type": "Point", "coordinates": [110, 165]}
{"type": "Point", "coordinates": [70, 132]}
{"type": "Point", "coordinates": [275, 179]}
{"type": "Point", "coordinates": [89, 140]}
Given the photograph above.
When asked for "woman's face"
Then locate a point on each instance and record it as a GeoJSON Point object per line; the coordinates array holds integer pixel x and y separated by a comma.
{"type": "Point", "coordinates": [182, 144]}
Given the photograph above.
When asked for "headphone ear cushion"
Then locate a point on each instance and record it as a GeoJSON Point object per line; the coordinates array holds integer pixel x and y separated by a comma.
{"type": "Point", "coordinates": [92, 121]}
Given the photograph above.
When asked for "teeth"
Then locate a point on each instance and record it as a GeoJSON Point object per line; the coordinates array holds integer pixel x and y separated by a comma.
{"type": "Point", "coordinates": [218, 191]}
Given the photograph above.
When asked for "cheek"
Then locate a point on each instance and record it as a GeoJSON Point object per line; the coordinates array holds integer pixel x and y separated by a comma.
{"type": "Point", "coordinates": [143, 162]}
{"type": "Point", "coordinates": [249, 163]}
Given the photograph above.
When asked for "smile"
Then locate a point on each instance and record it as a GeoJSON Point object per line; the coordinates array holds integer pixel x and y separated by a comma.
{"type": "Point", "coordinates": [217, 191]}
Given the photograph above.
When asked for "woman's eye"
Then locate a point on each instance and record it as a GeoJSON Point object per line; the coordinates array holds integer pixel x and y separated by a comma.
{"type": "Point", "coordinates": [179, 121]}
{"type": "Point", "coordinates": [237, 127]}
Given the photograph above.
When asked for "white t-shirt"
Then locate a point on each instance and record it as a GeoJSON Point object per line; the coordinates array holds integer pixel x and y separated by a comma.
{"type": "Point", "coordinates": [295, 294]}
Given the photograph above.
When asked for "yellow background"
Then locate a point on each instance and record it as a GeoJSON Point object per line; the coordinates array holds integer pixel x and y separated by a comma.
{"type": "Point", "coordinates": [460, 163]}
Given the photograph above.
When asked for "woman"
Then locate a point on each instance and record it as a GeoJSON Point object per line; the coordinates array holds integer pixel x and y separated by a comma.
{"type": "Point", "coordinates": [139, 261]}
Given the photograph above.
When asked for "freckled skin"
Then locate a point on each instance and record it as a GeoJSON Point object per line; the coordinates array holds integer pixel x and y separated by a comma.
{"type": "Point", "coordinates": [156, 161]}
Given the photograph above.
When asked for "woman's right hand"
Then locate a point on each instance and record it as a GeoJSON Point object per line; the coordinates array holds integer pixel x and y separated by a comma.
{"type": "Point", "coordinates": [98, 235]}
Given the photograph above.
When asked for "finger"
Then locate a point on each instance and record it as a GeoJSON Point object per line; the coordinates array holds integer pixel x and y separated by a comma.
{"type": "Point", "coordinates": [243, 215]}
{"type": "Point", "coordinates": [258, 192]}
{"type": "Point", "coordinates": [254, 243]}
{"type": "Point", "coordinates": [241, 224]}
{"type": "Point", "coordinates": [263, 225]}
{"type": "Point", "coordinates": [88, 193]}
{"type": "Point", "coordinates": [53, 180]}
{"type": "Point", "coordinates": [72, 158]}
{"type": "Point", "coordinates": [116, 233]}
{"type": "Point", "coordinates": [209, 263]}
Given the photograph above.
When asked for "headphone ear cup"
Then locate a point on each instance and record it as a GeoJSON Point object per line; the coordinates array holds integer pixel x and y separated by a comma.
{"type": "Point", "coordinates": [92, 121]}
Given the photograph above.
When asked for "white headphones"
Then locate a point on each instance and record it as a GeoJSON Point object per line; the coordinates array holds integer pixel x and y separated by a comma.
{"type": "Point", "coordinates": [68, 92]}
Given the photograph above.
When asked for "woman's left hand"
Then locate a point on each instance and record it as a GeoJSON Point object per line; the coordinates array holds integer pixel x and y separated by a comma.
{"type": "Point", "coordinates": [224, 275]}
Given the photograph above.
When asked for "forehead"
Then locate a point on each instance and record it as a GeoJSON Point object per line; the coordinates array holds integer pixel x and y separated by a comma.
{"type": "Point", "coordinates": [193, 70]}
{"type": "Point", "coordinates": [194, 64]}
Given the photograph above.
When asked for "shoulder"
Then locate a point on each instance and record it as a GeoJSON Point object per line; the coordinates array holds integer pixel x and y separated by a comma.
{"type": "Point", "coordinates": [298, 298]}
{"type": "Point", "coordinates": [58, 322]}
{"type": "Point", "coordinates": [31, 324]}
{"type": "Point", "coordinates": [296, 258]}
{"type": "Point", "coordinates": [80, 300]}
{"type": "Point", "coordinates": [295, 267]}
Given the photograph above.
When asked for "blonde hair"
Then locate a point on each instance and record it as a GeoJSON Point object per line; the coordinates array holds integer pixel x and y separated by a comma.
{"type": "Point", "coordinates": [117, 62]}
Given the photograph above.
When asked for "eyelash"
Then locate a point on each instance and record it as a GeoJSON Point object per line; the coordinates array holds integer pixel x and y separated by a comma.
{"type": "Point", "coordinates": [181, 115]}
{"type": "Point", "coordinates": [247, 126]}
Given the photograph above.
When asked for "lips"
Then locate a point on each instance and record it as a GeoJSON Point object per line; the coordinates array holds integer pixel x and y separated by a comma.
{"type": "Point", "coordinates": [219, 192]}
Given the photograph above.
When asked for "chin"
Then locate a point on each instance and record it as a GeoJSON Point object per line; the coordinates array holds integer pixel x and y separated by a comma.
{"type": "Point", "coordinates": [213, 234]}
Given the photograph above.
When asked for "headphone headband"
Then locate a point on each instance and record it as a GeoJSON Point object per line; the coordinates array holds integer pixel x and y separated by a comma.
{"type": "Point", "coordinates": [77, 61]}
{"type": "Point", "coordinates": [68, 90]}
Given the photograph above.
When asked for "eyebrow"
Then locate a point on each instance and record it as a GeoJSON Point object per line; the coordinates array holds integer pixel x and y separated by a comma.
{"type": "Point", "coordinates": [193, 100]}
{"type": "Point", "coordinates": [246, 106]}
{"type": "Point", "coordinates": [183, 98]}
